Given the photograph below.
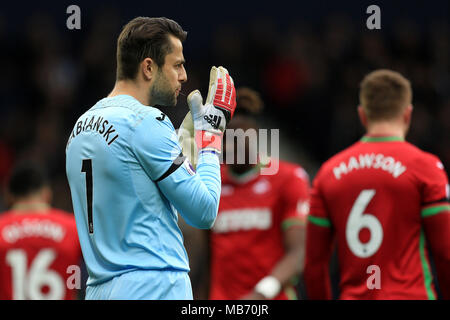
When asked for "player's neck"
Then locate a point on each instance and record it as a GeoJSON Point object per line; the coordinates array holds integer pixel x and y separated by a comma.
{"type": "Point", "coordinates": [130, 88]}
{"type": "Point", "coordinates": [386, 129]}
{"type": "Point", "coordinates": [32, 205]}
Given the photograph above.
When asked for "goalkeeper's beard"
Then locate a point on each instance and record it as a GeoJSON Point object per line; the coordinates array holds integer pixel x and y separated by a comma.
{"type": "Point", "coordinates": [161, 93]}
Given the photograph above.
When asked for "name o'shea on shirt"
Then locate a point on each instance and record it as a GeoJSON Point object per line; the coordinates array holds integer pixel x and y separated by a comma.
{"type": "Point", "coordinates": [370, 161]}
{"type": "Point", "coordinates": [33, 228]}
{"type": "Point", "coordinates": [97, 124]}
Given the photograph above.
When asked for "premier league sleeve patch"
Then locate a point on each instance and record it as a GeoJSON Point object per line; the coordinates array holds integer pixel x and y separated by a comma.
{"type": "Point", "coordinates": [188, 166]}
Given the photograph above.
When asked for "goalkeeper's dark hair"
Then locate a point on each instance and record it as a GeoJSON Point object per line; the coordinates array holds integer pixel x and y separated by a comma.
{"type": "Point", "coordinates": [26, 179]}
{"type": "Point", "coordinates": [145, 37]}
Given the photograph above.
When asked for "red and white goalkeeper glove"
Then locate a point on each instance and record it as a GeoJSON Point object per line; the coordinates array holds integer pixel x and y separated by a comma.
{"type": "Point", "coordinates": [210, 119]}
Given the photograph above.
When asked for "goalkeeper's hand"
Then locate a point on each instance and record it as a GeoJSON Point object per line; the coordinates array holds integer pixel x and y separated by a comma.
{"type": "Point", "coordinates": [210, 119]}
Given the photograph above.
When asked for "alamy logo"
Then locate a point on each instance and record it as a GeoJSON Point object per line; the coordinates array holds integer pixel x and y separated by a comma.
{"type": "Point", "coordinates": [241, 146]}
{"type": "Point", "coordinates": [74, 20]}
{"type": "Point", "coordinates": [213, 120]}
{"type": "Point", "coordinates": [374, 20]}
{"type": "Point", "coordinates": [374, 280]}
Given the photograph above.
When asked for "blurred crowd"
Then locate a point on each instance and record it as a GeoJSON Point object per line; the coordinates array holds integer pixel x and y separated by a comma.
{"type": "Point", "coordinates": [307, 73]}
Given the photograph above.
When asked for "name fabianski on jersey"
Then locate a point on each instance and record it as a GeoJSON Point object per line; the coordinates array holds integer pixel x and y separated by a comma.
{"type": "Point", "coordinates": [95, 123]}
{"type": "Point", "coordinates": [370, 161]}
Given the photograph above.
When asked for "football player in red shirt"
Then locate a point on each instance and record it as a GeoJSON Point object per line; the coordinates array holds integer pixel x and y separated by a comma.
{"type": "Point", "coordinates": [257, 241]}
{"type": "Point", "coordinates": [384, 202]}
{"type": "Point", "coordinates": [39, 248]}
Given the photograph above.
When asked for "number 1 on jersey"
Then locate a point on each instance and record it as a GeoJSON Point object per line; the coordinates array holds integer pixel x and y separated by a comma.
{"type": "Point", "coordinates": [87, 168]}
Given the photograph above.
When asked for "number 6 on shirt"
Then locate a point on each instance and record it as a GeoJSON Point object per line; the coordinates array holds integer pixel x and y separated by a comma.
{"type": "Point", "coordinates": [358, 220]}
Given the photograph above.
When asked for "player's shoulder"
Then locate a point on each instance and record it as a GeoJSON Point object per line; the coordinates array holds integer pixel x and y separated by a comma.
{"type": "Point", "coordinates": [288, 170]}
{"type": "Point", "coordinates": [130, 111]}
{"type": "Point", "coordinates": [61, 214]}
{"type": "Point", "coordinates": [53, 214]}
{"type": "Point", "coordinates": [6, 217]}
{"type": "Point", "coordinates": [156, 132]}
{"type": "Point", "coordinates": [327, 167]}
{"type": "Point", "coordinates": [152, 120]}
{"type": "Point", "coordinates": [420, 154]}
{"type": "Point", "coordinates": [156, 119]}
{"type": "Point", "coordinates": [422, 159]}
{"type": "Point", "coordinates": [339, 157]}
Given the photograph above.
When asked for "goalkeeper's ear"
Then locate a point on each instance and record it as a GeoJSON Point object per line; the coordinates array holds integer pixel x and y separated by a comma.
{"type": "Point", "coordinates": [186, 138]}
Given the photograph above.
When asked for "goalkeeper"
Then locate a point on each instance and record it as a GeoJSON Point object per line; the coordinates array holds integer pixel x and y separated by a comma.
{"type": "Point", "coordinates": [127, 174]}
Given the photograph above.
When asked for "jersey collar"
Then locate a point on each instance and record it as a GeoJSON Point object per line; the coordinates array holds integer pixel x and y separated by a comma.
{"type": "Point", "coordinates": [380, 138]}
{"type": "Point", "coordinates": [30, 207]}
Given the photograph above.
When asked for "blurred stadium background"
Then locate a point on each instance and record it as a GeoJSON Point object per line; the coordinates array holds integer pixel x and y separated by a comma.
{"type": "Point", "coordinates": [306, 58]}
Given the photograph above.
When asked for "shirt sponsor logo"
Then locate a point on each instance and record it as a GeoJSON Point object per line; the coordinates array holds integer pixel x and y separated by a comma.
{"type": "Point", "coordinates": [243, 219]}
{"type": "Point", "coordinates": [370, 161]}
{"type": "Point", "coordinates": [33, 228]}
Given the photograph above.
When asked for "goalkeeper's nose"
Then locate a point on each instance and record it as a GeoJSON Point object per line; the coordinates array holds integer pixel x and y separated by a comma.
{"type": "Point", "coordinates": [182, 75]}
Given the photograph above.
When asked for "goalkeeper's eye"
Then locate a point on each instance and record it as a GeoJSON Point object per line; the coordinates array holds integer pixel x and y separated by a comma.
{"type": "Point", "coordinates": [179, 64]}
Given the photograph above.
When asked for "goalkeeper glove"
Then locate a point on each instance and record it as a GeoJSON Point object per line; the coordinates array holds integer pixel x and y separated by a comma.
{"type": "Point", "coordinates": [210, 119]}
{"type": "Point", "coordinates": [186, 136]}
